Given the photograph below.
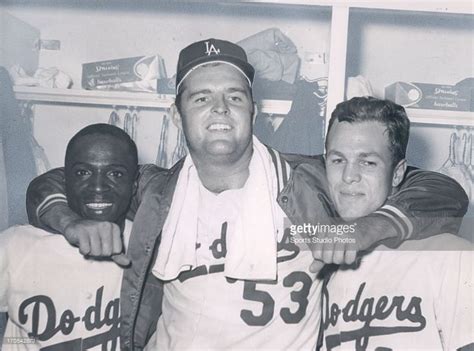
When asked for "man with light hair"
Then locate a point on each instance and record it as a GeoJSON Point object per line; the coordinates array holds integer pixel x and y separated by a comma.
{"type": "Point", "coordinates": [418, 296]}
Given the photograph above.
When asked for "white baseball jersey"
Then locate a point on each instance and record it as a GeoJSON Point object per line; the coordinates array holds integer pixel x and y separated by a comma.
{"type": "Point", "coordinates": [203, 309]}
{"type": "Point", "coordinates": [419, 297]}
{"type": "Point", "coordinates": [55, 298]}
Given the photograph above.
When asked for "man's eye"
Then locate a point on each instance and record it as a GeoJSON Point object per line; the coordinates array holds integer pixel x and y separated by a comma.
{"type": "Point", "coordinates": [337, 161]}
{"type": "Point", "coordinates": [368, 163]}
{"type": "Point", "coordinates": [201, 99]}
{"type": "Point", "coordinates": [236, 98]}
{"type": "Point", "coordinates": [116, 174]}
{"type": "Point", "coordinates": [82, 172]}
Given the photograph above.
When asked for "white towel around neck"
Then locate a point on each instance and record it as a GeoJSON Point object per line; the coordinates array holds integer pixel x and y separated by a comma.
{"type": "Point", "coordinates": [252, 247]}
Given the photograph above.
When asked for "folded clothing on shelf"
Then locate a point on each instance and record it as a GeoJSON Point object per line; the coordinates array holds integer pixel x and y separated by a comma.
{"type": "Point", "coordinates": [272, 54]}
{"type": "Point", "coordinates": [50, 77]}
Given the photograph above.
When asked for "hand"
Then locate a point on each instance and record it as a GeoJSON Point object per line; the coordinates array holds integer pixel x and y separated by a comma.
{"type": "Point", "coordinates": [97, 239]}
{"type": "Point", "coordinates": [367, 233]}
{"type": "Point", "coordinates": [332, 252]}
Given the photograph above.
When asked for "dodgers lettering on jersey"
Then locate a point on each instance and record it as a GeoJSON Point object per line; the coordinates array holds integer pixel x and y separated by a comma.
{"type": "Point", "coordinates": [406, 299]}
{"type": "Point", "coordinates": [204, 309]}
{"type": "Point", "coordinates": [55, 298]}
{"type": "Point", "coordinates": [39, 315]}
{"type": "Point", "coordinates": [370, 311]}
{"type": "Point", "coordinates": [251, 292]}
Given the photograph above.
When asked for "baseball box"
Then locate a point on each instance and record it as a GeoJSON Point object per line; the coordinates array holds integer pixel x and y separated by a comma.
{"type": "Point", "coordinates": [430, 96]}
{"type": "Point", "coordinates": [130, 74]}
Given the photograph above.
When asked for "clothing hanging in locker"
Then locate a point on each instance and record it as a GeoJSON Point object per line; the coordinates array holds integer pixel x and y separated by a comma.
{"type": "Point", "coordinates": [130, 121]}
{"type": "Point", "coordinates": [459, 163]}
{"type": "Point", "coordinates": [19, 167]}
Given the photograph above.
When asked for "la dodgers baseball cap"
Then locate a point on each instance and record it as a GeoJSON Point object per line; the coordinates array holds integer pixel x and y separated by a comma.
{"type": "Point", "coordinates": [212, 50]}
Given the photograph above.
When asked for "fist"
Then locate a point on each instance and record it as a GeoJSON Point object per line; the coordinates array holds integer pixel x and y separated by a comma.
{"type": "Point", "coordinates": [364, 235]}
{"type": "Point", "coordinates": [97, 239]}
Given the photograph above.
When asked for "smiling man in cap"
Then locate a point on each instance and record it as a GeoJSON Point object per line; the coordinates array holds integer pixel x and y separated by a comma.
{"type": "Point", "coordinates": [210, 257]}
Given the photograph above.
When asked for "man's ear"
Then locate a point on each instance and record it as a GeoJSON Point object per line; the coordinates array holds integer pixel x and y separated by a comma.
{"type": "Point", "coordinates": [255, 112]}
{"type": "Point", "coordinates": [176, 117]}
{"type": "Point", "coordinates": [399, 173]}
{"type": "Point", "coordinates": [135, 184]}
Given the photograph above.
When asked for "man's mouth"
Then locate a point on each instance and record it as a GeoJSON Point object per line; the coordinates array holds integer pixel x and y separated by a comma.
{"type": "Point", "coordinates": [219, 127]}
{"type": "Point", "coordinates": [351, 193]}
{"type": "Point", "coordinates": [98, 206]}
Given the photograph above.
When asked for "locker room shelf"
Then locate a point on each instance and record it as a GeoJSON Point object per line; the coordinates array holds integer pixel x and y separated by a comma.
{"type": "Point", "coordinates": [151, 100]}
{"type": "Point", "coordinates": [120, 98]}
{"type": "Point", "coordinates": [464, 118]}
{"type": "Point", "coordinates": [92, 97]}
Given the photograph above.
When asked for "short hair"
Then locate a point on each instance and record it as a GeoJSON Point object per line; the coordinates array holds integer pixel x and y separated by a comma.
{"type": "Point", "coordinates": [368, 108]}
{"type": "Point", "coordinates": [102, 129]}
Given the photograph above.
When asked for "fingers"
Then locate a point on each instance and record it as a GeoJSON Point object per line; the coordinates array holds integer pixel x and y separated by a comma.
{"type": "Point", "coordinates": [104, 239]}
{"type": "Point", "coordinates": [110, 240]}
{"type": "Point", "coordinates": [332, 252]}
{"type": "Point", "coordinates": [96, 239]}
{"type": "Point", "coordinates": [95, 244]}
{"type": "Point", "coordinates": [328, 253]}
{"type": "Point", "coordinates": [84, 245]}
{"type": "Point", "coordinates": [317, 252]}
{"type": "Point", "coordinates": [338, 254]}
{"type": "Point", "coordinates": [350, 257]}
{"type": "Point", "coordinates": [316, 266]}
{"type": "Point", "coordinates": [122, 260]}
{"type": "Point", "coordinates": [117, 244]}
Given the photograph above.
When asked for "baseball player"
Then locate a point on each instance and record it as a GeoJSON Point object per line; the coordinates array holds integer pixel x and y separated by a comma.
{"type": "Point", "coordinates": [417, 297]}
{"type": "Point", "coordinates": [55, 298]}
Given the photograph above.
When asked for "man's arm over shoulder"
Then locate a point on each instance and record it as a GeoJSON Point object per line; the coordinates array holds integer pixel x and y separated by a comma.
{"type": "Point", "coordinates": [47, 208]}
{"type": "Point", "coordinates": [427, 203]}
{"type": "Point", "coordinates": [45, 191]}
{"type": "Point", "coordinates": [47, 194]}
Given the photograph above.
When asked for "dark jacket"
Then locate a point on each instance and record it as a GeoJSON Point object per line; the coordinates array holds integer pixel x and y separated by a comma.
{"type": "Point", "coordinates": [430, 202]}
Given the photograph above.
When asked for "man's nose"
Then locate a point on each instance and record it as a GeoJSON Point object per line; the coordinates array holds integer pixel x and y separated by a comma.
{"type": "Point", "coordinates": [220, 105]}
{"type": "Point", "coordinates": [351, 173]}
{"type": "Point", "coordinates": [99, 183]}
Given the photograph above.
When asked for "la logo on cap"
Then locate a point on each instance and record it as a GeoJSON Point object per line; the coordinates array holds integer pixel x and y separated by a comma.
{"type": "Point", "coordinates": [211, 49]}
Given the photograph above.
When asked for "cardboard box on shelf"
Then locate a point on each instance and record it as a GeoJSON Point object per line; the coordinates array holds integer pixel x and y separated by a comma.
{"type": "Point", "coordinates": [166, 86]}
{"type": "Point", "coordinates": [131, 74]}
{"type": "Point", "coordinates": [467, 84]}
{"type": "Point", "coordinates": [430, 96]}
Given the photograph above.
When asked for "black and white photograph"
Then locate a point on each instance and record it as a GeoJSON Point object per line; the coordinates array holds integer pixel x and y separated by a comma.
{"type": "Point", "coordinates": [236, 175]}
